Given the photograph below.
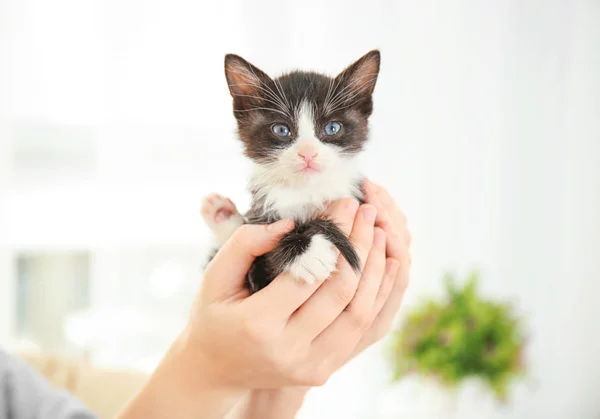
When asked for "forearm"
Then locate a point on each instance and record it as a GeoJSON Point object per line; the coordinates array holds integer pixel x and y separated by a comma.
{"type": "Point", "coordinates": [172, 392]}
{"type": "Point", "coordinates": [282, 403]}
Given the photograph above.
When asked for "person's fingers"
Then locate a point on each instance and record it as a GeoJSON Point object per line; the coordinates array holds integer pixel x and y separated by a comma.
{"type": "Point", "coordinates": [370, 196]}
{"type": "Point", "coordinates": [370, 281]}
{"type": "Point", "coordinates": [390, 212]}
{"type": "Point", "coordinates": [282, 297]}
{"type": "Point", "coordinates": [398, 243]}
{"type": "Point", "coordinates": [362, 232]}
{"type": "Point", "coordinates": [387, 284]}
{"type": "Point", "coordinates": [397, 216]}
{"type": "Point", "coordinates": [342, 213]}
{"type": "Point", "coordinates": [325, 305]}
{"type": "Point", "coordinates": [369, 190]}
{"type": "Point", "coordinates": [246, 243]}
{"type": "Point", "coordinates": [396, 227]}
{"type": "Point", "coordinates": [352, 322]}
{"type": "Point", "coordinates": [395, 243]}
{"type": "Point", "coordinates": [398, 248]}
{"type": "Point", "coordinates": [371, 335]}
{"type": "Point", "coordinates": [286, 294]}
{"type": "Point", "coordinates": [384, 319]}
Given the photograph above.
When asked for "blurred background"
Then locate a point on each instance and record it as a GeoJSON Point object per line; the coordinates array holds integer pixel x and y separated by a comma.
{"type": "Point", "coordinates": [115, 120]}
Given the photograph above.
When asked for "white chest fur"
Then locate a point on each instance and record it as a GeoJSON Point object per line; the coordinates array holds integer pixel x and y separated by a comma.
{"type": "Point", "coordinates": [303, 203]}
{"type": "Point", "coordinates": [302, 200]}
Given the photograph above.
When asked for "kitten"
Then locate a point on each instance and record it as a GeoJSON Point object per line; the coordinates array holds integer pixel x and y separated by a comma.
{"type": "Point", "coordinates": [303, 131]}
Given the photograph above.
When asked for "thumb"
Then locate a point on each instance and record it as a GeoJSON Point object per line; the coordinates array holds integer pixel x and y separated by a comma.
{"type": "Point", "coordinates": [227, 271]}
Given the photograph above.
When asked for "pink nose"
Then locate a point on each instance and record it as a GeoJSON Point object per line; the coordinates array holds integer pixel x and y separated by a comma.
{"type": "Point", "coordinates": [308, 155]}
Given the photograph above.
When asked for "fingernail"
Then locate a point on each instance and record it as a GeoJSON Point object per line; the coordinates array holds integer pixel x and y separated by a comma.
{"type": "Point", "coordinates": [369, 212]}
{"type": "Point", "coordinates": [367, 188]}
{"type": "Point", "coordinates": [380, 238]}
{"type": "Point", "coordinates": [281, 225]}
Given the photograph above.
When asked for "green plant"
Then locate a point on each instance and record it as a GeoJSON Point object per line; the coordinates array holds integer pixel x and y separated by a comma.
{"type": "Point", "coordinates": [459, 337]}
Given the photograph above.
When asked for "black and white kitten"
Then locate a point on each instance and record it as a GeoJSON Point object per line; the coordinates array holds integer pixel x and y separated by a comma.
{"type": "Point", "coordinates": [303, 131]}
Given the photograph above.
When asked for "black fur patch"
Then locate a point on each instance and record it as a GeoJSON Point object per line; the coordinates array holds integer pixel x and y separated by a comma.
{"type": "Point", "coordinates": [259, 102]}
{"type": "Point", "coordinates": [292, 246]}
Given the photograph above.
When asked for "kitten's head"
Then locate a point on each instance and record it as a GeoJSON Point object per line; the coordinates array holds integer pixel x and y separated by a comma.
{"type": "Point", "coordinates": [302, 126]}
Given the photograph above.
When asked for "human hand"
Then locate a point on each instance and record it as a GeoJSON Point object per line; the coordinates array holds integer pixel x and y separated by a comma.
{"type": "Point", "coordinates": [287, 334]}
{"type": "Point", "coordinates": [283, 403]}
{"type": "Point", "coordinates": [292, 333]}
{"type": "Point", "coordinates": [393, 221]}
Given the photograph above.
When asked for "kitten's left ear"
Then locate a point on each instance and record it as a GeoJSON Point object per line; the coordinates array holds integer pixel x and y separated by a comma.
{"type": "Point", "coordinates": [361, 76]}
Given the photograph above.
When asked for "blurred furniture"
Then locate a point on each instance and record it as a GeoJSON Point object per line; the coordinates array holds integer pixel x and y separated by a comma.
{"type": "Point", "coordinates": [104, 391]}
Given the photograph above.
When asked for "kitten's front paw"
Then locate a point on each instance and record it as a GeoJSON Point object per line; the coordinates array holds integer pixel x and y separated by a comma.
{"type": "Point", "coordinates": [317, 263]}
{"type": "Point", "coordinates": [216, 209]}
{"type": "Point", "coordinates": [221, 215]}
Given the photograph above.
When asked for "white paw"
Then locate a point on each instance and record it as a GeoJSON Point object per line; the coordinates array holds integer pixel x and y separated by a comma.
{"type": "Point", "coordinates": [317, 263]}
{"type": "Point", "coordinates": [221, 215]}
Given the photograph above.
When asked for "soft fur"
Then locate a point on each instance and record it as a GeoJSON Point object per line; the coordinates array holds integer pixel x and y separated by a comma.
{"type": "Point", "coordinates": [296, 176]}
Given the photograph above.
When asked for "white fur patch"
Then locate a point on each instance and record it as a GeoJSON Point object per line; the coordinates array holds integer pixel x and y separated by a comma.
{"type": "Point", "coordinates": [302, 197]}
{"type": "Point", "coordinates": [289, 192]}
{"type": "Point", "coordinates": [306, 123]}
{"type": "Point", "coordinates": [317, 263]}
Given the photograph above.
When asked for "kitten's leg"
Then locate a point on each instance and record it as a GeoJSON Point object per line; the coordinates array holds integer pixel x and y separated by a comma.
{"type": "Point", "coordinates": [309, 253]}
{"type": "Point", "coordinates": [316, 263]}
{"type": "Point", "coordinates": [221, 216]}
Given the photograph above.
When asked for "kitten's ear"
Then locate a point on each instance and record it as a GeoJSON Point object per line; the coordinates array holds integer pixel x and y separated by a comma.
{"type": "Point", "coordinates": [360, 77]}
{"type": "Point", "coordinates": [243, 78]}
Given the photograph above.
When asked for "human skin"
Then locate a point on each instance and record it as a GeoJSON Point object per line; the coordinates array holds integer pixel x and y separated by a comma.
{"type": "Point", "coordinates": [274, 345]}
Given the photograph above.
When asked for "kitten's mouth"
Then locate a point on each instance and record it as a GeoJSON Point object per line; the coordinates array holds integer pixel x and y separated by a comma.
{"type": "Point", "coordinates": [309, 169]}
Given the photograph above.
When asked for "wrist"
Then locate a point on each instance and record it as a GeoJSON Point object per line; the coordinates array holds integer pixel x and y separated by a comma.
{"type": "Point", "coordinates": [184, 385]}
{"type": "Point", "coordinates": [195, 368]}
{"type": "Point", "coordinates": [283, 403]}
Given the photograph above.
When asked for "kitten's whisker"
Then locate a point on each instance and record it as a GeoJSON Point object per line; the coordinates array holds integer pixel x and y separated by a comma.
{"type": "Point", "coordinates": [258, 97]}
{"type": "Point", "coordinates": [337, 84]}
{"type": "Point", "coordinates": [347, 91]}
{"type": "Point", "coordinates": [265, 88]}
{"type": "Point", "coordinates": [339, 96]}
{"type": "Point", "coordinates": [328, 93]}
{"type": "Point", "coordinates": [280, 89]}
{"type": "Point", "coordinates": [261, 109]}
{"type": "Point", "coordinates": [270, 90]}
{"type": "Point", "coordinates": [268, 93]}
{"type": "Point", "coordinates": [350, 95]}
{"type": "Point", "coordinates": [272, 94]}
{"type": "Point", "coordinates": [354, 82]}
{"type": "Point", "coordinates": [339, 108]}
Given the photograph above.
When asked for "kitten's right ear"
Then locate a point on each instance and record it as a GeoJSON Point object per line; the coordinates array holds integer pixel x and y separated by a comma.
{"type": "Point", "coordinates": [243, 79]}
{"type": "Point", "coordinates": [361, 76]}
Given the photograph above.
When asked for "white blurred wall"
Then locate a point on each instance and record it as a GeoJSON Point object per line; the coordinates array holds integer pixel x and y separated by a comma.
{"type": "Point", "coordinates": [6, 291]}
{"type": "Point", "coordinates": [486, 130]}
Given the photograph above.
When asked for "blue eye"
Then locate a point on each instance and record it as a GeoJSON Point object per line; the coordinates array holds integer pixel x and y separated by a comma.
{"type": "Point", "coordinates": [280, 130]}
{"type": "Point", "coordinates": [332, 128]}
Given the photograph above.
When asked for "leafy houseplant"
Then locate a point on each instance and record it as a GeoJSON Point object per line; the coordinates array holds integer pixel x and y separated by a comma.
{"type": "Point", "coordinates": [462, 336]}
